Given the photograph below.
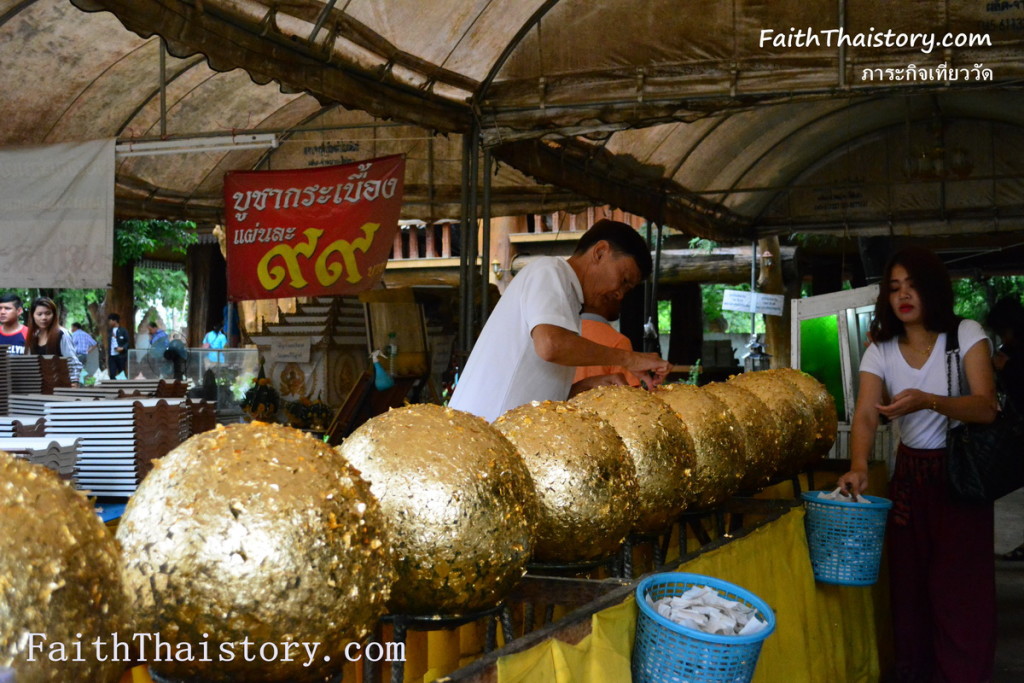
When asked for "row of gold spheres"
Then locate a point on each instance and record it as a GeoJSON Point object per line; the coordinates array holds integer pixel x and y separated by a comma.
{"type": "Point", "coordinates": [261, 531]}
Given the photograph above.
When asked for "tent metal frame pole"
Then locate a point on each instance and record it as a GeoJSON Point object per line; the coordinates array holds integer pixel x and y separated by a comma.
{"type": "Point", "coordinates": [654, 282]}
{"type": "Point", "coordinates": [471, 232]}
{"type": "Point", "coordinates": [463, 294]}
{"type": "Point", "coordinates": [485, 248]}
{"type": "Point", "coordinates": [648, 290]}
{"type": "Point", "coordinates": [753, 287]}
{"type": "Point", "coordinates": [163, 88]}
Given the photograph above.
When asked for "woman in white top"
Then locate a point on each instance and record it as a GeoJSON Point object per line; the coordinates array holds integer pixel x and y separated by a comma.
{"type": "Point", "coordinates": [941, 566]}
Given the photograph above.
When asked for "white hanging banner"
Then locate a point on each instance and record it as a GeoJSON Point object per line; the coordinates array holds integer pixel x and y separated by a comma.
{"type": "Point", "coordinates": [738, 300]}
{"type": "Point", "coordinates": [57, 218]}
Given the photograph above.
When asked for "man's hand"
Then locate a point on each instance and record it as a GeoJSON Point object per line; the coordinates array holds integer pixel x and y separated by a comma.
{"type": "Point", "coordinates": [650, 368]}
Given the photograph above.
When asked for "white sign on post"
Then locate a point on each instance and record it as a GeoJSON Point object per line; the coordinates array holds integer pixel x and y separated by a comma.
{"type": "Point", "coordinates": [747, 302]}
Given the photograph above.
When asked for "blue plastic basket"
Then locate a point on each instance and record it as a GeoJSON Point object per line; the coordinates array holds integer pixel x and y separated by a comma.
{"type": "Point", "coordinates": [845, 539]}
{"type": "Point", "coordinates": [667, 652]}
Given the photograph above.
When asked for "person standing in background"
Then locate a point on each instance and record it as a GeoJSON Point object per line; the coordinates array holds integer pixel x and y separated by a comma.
{"type": "Point", "coordinates": [117, 361]}
{"type": "Point", "coordinates": [12, 333]}
{"type": "Point", "coordinates": [595, 325]}
{"type": "Point", "coordinates": [82, 341]}
{"type": "Point", "coordinates": [215, 339]}
{"type": "Point", "coordinates": [47, 337]}
{"type": "Point", "coordinates": [1006, 319]}
{"type": "Point", "coordinates": [156, 335]}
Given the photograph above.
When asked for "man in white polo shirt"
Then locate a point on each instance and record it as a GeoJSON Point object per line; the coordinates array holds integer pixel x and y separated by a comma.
{"type": "Point", "coordinates": [531, 345]}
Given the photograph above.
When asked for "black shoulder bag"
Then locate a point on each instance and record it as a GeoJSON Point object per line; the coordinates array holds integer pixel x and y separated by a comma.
{"type": "Point", "coordinates": [985, 461]}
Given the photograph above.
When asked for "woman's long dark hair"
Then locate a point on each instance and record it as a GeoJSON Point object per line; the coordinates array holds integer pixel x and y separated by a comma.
{"type": "Point", "coordinates": [52, 346]}
{"type": "Point", "coordinates": [931, 280]}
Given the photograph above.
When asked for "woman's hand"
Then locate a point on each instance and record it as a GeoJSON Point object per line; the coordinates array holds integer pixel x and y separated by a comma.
{"type": "Point", "coordinates": [905, 402]}
{"type": "Point", "coordinates": [855, 480]}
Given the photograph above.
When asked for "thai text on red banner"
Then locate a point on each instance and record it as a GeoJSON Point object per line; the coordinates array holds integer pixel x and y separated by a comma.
{"type": "Point", "coordinates": [311, 232]}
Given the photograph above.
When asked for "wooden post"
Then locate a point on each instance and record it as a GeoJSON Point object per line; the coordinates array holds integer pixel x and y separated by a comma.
{"type": "Point", "coordinates": [428, 242]}
{"type": "Point", "coordinates": [414, 241]}
{"type": "Point", "coordinates": [396, 249]}
{"type": "Point", "coordinates": [777, 328]}
{"type": "Point", "coordinates": [446, 240]}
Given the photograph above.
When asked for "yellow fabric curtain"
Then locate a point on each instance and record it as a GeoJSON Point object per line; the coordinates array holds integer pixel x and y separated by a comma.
{"type": "Point", "coordinates": [822, 632]}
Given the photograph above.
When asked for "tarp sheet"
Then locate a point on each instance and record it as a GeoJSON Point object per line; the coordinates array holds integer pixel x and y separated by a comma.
{"type": "Point", "coordinates": [57, 222]}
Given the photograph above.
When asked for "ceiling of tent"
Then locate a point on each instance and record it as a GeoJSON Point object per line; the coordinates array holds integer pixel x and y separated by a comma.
{"type": "Point", "coordinates": [677, 111]}
{"type": "Point", "coordinates": [67, 75]}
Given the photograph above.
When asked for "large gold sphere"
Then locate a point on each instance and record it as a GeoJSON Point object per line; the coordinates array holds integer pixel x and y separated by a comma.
{"type": "Point", "coordinates": [460, 501]}
{"type": "Point", "coordinates": [822, 404]}
{"type": "Point", "coordinates": [255, 533]}
{"type": "Point", "coordinates": [793, 409]}
{"type": "Point", "coordinates": [584, 478]}
{"type": "Point", "coordinates": [59, 578]}
{"type": "Point", "coordinates": [760, 432]}
{"type": "Point", "coordinates": [720, 455]}
{"type": "Point", "coordinates": [659, 444]}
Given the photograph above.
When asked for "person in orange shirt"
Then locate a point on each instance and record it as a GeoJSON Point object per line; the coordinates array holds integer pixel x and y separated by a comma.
{"type": "Point", "coordinates": [596, 326]}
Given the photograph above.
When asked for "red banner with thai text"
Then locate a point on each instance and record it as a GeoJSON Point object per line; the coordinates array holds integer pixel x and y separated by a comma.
{"type": "Point", "coordinates": [311, 232]}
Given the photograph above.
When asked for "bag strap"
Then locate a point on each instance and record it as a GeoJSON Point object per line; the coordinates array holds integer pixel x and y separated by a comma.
{"type": "Point", "coordinates": [952, 351]}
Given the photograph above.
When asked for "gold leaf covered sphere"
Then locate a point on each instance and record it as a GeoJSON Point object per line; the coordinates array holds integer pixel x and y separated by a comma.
{"type": "Point", "coordinates": [719, 463]}
{"type": "Point", "coordinates": [255, 532]}
{"type": "Point", "coordinates": [657, 441]}
{"type": "Point", "coordinates": [823, 407]}
{"type": "Point", "coordinates": [760, 432]}
{"type": "Point", "coordinates": [793, 410]}
{"type": "Point", "coordinates": [59, 579]}
{"type": "Point", "coordinates": [460, 501]}
{"type": "Point", "coordinates": [585, 480]}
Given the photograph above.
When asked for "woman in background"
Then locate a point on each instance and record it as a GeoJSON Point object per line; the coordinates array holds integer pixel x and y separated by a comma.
{"type": "Point", "coordinates": [47, 337]}
{"type": "Point", "coordinates": [1006, 319]}
{"type": "Point", "coordinates": [941, 564]}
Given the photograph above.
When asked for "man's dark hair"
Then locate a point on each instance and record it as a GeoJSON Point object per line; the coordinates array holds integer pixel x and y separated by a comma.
{"type": "Point", "coordinates": [931, 280]}
{"type": "Point", "coordinates": [623, 239]}
{"type": "Point", "coordinates": [115, 317]}
{"type": "Point", "coordinates": [1007, 315]}
{"type": "Point", "coordinates": [11, 299]}
{"type": "Point", "coordinates": [76, 326]}
{"type": "Point", "coordinates": [153, 325]}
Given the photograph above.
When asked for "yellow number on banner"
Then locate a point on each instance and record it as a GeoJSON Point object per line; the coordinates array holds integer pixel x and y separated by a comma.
{"type": "Point", "coordinates": [272, 278]}
{"type": "Point", "coordinates": [328, 273]}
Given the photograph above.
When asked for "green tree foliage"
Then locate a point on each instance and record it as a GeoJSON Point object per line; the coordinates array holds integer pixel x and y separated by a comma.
{"type": "Point", "coordinates": [157, 285]}
{"type": "Point", "coordinates": [73, 304]}
{"type": "Point", "coordinates": [974, 296]}
{"type": "Point", "coordinates": [134, 239]}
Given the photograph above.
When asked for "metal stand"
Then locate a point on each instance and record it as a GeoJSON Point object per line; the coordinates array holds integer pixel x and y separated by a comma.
{"type": "Point", "coordinates": [403, 623]}
{"type": "Point", "coordinates": [693, 521]}
{"type": "Point", "coordinates": [659, 548]}
{"type": "Point", "coordinates": [611, 562]}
